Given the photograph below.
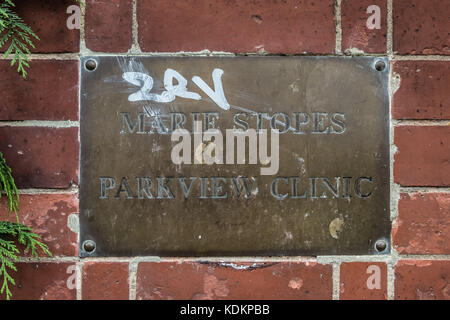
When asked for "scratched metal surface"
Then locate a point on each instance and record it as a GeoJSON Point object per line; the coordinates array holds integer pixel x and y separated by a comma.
{"type": "Point", "coordinates": [260, 225]}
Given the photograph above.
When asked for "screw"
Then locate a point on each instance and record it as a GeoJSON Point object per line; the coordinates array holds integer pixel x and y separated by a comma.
{"type": "Point", "coordinates": [380, 245]}
{"type": "Point", "coordinates": [89, 246]}
{"type": "Point", "coordinates": [90, 65]}
{"type": "Point", "coordinates": [380, 65]}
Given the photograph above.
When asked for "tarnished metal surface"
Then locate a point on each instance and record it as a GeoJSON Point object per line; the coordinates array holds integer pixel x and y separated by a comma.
{"type": "Point", "coordinates": [329, 196]}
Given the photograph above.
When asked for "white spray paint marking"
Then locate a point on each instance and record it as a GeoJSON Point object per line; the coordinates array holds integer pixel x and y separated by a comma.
{"type": "Point", "coordinates": [137, 79]}
{"type": "Point", "coordinates": [133, 66]}
{"type": "Point", "coordinates": [180, 89]}
{"type": "Point", "coordinates": [218, 96]}
{"type": "Point", "coordinates": [73, 223]}
{"type": "Point", "coordinates": [145, 81]}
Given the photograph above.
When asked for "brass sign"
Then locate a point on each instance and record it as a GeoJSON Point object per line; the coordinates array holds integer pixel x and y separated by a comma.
{"type": "Point", "coordinates": [234, 156]}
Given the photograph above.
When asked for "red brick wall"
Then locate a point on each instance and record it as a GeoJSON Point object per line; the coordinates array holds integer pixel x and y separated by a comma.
{"type": "Point", "coordinates": [39, 138]}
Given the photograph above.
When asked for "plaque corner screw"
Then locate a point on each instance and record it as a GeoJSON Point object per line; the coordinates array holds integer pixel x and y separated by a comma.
{"type": "Point", "coordinates": [381, 245]}
{"type": "Point", "coordinates": [90, 65]}
{"type": "Point", "coordinates": [380, 65]}
{"type": "Point", "coordinates": [89, 246]}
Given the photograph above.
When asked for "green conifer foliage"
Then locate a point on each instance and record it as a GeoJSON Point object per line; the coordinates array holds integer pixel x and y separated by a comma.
{"type": "Point", "coordinates": [14, 234]}
{"type": "Point", "coordinates": [16, 36]}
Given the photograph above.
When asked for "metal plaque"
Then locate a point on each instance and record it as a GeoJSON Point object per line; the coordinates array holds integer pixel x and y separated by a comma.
{"type": "Point", "coordinates": [234, 156]}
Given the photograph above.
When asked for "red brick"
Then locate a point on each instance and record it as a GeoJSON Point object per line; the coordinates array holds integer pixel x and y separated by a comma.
{"type": "Point", "coordinates": [44, 281]}
{"type": "Point", "coordinates": [421, 27]}
{"type": "Point", "coordinates": [105, 281]}
{"type": "Point", "coordinates": [48, 215]}
{"type": "Point", "coordinates": [50, 91]}
{"type": "Point", "coordinates": [291, 26]}
{"type": "Point", "coordinates": [48, 19]}
{"type": "Point", "coordinates": [41, 157]}
{"type": "Point", "coordinates": [423, 156]}
{"type": "Point", "coordinates": [108, 25]}
{"type": "Point", "coordinates": [424, 90]}
{"type": "Point", "coordinates": [363, 281]}
{"type": "Point", "coordinates": [355, 33]}
{"type": "Point", "coordinates": [423, 224]}
{"type": "Point", "coordinates": [259, 281]}
{"type": "Point", "coordinates": [422, 280]}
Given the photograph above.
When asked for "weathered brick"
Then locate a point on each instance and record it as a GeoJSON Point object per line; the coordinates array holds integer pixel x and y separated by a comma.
{"type": "Point", "coordinates": [44, 281]}
{"type": "Point", "coordinates": [422, 280]}
{"type": "Point", "coordinates": [105, 281]}
{"type": "Point", "coordinates": [108, 25]}
{"type": "Point", "coordinates": [421, 27]}
{"type": "Point", "coordinates": [424, 90]}
{"type": "Point", "coordinates": [363, 281]}
{"type": "Point", "coordinates": [291, 26]}
{"type": "Point", "coordinates": [48, 19]}
{"type": "Point", "coordinates": [233, 281]}
{"type": "Point", "coordinates": [50, 91]}
{"type": "Point", "coordinates": [48, 215]}
{"type": "Point", "coordinates": [355, 33]}
{"type": "Point", "coordinates": [423, 224]}
{"type": "Point", "coordinates": [423, 156]}
{"type": "Point", "coordinates": [41, 157]}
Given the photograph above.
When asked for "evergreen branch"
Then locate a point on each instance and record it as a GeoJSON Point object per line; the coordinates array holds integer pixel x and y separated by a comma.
{"type": "Point", "coordinates": [9, 252]}
{"type": "Point", "coordinates": [8, 186]}
{"type": "Point", "coordinates": [27, 237]}
{"type": "Point", "coordinates": [19, 35]}
{"type": "Point", "coordinates": [8, 255]}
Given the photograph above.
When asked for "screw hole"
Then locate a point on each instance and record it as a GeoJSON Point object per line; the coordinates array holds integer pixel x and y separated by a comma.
{"type": "Point", "coordinates": [380, 65]}
{"type": "Point", "coordinates": [89, 246]}
{"type": "Point", "coordinates": [90, 65]}
{"type": "Point", "coordinates": [380, 245]}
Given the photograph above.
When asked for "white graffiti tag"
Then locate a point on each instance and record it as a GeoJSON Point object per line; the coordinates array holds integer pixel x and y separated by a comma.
{"type": "Point", "coordinates": [172, 91]}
